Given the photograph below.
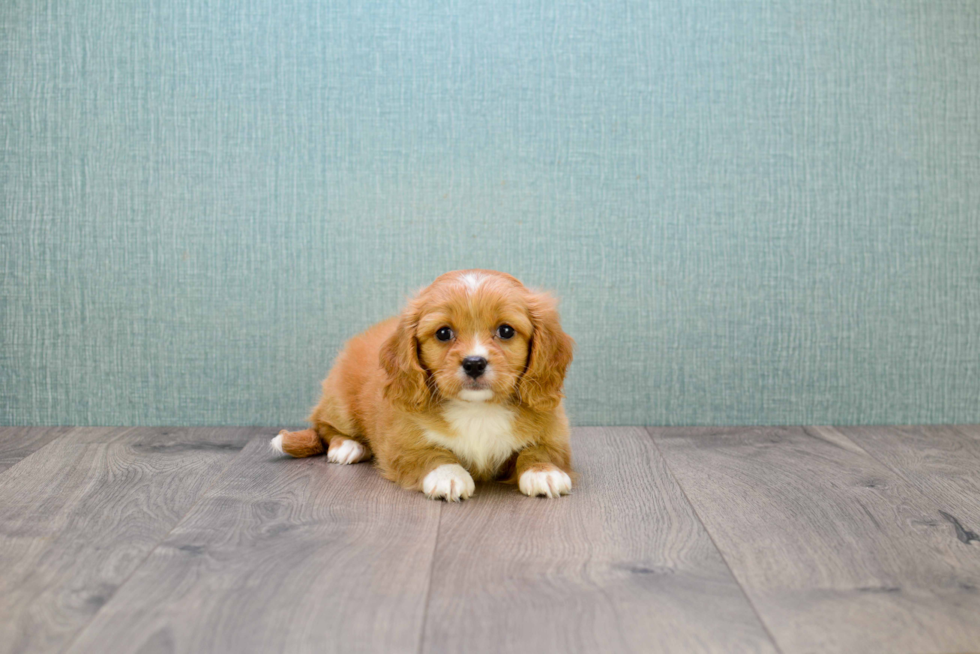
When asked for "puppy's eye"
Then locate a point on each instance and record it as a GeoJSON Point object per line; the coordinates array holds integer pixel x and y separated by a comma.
{"type": "Point", "coordinates": [505, 332]}
{"type": "Point", "coordinates": [444, 334]}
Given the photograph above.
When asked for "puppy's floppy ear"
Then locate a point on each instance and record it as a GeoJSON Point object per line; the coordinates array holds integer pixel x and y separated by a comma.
{"type": "Point", "coordinates": [407, 385]}
{"type": "Point", "coordinates": [549, 357]}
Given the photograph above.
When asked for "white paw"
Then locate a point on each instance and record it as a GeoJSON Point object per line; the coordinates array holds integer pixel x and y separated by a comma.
{"type": "Point", "coordinates": [448, 482]}
{"type": "Point", "coordinates": [550, 483]}
{"type": "Point", "coordinates": [349, 451]}
{"type": "Point", "coordinates": [276, 444]}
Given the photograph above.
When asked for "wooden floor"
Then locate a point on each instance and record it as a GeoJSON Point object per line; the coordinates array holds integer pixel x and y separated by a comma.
{"type": "Point", "coordinates": [764, 539]}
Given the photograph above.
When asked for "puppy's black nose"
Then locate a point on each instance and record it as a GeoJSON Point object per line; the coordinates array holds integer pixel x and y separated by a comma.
{"type": "Point", "coordinates": [474, 366]}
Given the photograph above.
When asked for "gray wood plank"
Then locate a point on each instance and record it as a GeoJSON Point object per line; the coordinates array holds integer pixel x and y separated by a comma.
{"type": "Point", "coordinates": [620, 565]}
{"type": "Point", "coordinates": [79, 515]}
{"type": "Point", "coordinates": [941, 461]}
{"type": "Point", "coordinates": [17, 443]}
{"type": "Point", "coordinates": [294, 555]}
{"type": "Point", "coordinates": [837, 552]}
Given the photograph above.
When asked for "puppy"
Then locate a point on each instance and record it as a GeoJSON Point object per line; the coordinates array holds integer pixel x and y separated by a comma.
{"type": "Point", "coordinates": [464, 386]}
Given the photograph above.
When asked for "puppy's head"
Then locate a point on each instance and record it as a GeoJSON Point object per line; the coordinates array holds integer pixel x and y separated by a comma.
{"type": "Point", "coordinates": [477, 336]}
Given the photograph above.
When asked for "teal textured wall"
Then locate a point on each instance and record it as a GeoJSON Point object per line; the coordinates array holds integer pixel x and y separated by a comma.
{"type": "Point", "coordinates": [756, 211]}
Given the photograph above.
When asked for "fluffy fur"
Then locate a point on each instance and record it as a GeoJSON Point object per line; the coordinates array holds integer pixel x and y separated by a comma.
{"type": "Point", "coordinates": [399, 393]}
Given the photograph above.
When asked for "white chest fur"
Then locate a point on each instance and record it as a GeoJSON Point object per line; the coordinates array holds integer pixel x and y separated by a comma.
{"type": "Point", "coordinates": [481, 434]}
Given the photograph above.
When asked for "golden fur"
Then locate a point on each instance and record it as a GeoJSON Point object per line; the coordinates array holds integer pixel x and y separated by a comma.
{"type": "Point", "coordinates": [396, 389]}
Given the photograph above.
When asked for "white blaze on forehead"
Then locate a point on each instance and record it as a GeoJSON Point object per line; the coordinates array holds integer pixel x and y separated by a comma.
{"type": "Point", "coordinates": [472, 281]}
{"type": "Point", "coordinates": [478, 350]}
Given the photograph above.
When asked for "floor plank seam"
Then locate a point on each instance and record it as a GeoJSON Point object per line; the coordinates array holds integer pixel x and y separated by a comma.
{"type": "Point", "coordinates": [146, 558]}
{"type": "Point", "coordinates": [937, 503]}
{"type": "Point", "coordinates": [40, 449]}
{"type": "Point", "coordinates": [721, 554]}
{"type": "Point", "coordinates": [428, 587]}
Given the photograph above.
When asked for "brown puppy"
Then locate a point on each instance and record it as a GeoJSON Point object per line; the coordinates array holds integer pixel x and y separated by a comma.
{"type": "Point", "coordinates": [466, 384]}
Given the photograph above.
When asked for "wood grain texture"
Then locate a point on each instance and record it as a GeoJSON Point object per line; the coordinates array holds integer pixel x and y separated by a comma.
{"type": "Point", "coordinates": [621, 565]}
{"type": "Point", "coordinates": [837, 552]}
{"type": "Point", "coordinates": [172, 540]}
{"type": "Point", "coordinates": [282, 555]}
{"type": "Point", "coordinates": [941, 461]}
{"type": "Point", "coordinates": [17, 443]}
{"type": "Point", "coordinates": [80, 515]}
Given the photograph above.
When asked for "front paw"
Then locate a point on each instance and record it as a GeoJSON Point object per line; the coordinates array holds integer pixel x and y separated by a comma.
{"type": "Point", "coordinates": [546, 480]}
{"type": "Point", "coordinates": [448, 482]}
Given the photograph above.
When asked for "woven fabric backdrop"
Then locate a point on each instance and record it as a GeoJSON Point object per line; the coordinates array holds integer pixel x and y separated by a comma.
{"type": "Point", "coordinates": [755, 211]}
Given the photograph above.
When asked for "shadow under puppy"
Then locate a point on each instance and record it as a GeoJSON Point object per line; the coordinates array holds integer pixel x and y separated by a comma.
{"type": "Point", "coordinates": [466, 384]}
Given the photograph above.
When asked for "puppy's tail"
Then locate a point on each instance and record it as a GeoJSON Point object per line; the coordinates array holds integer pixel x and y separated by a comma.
{"type": "Point", "coordinates": [299, 443]}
